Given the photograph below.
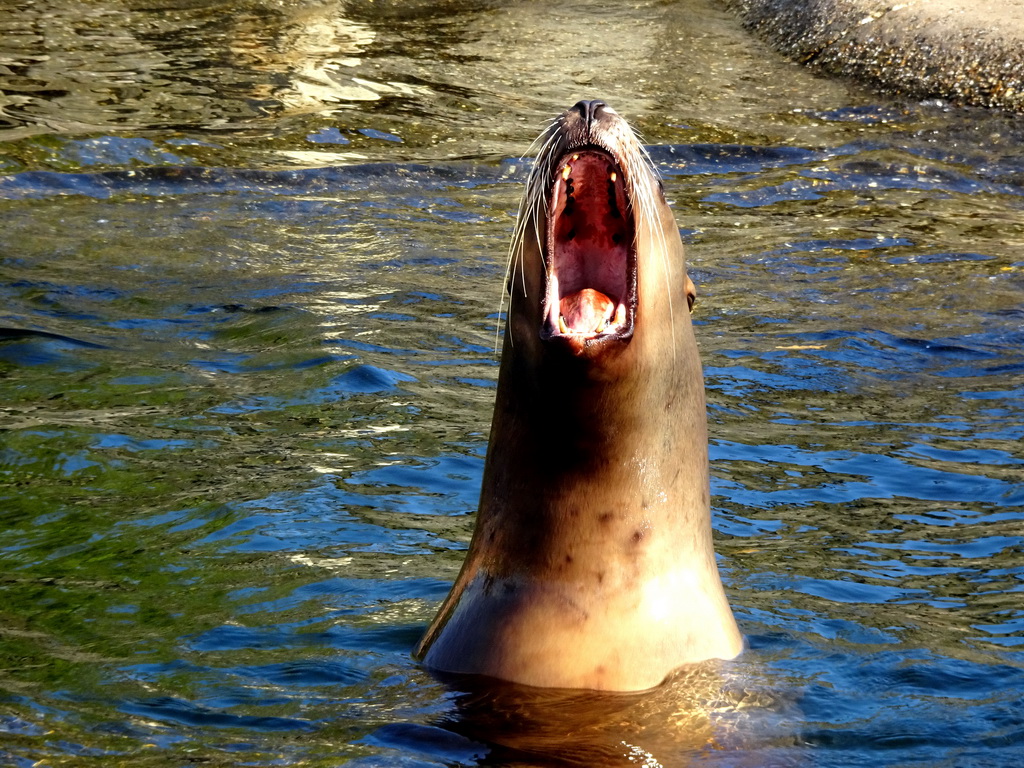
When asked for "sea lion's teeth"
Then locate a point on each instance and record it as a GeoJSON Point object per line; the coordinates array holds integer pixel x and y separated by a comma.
{"type": "Point", "coordinates": [562, 327]}
{"type": "Point", "coordinates": [575, 157]}
{"type": "Point", "coordinates": [612, 176]}
{"type": "Point", "coordinates": [566, 171]}
{"type": "Point", "coordinates": [601, 326]}
{"type": "Point", "coordinates": [620, 314]}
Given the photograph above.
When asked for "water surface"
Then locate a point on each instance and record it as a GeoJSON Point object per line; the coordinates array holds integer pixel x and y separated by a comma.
{"type": "Point", "coordinates": [250, 274]}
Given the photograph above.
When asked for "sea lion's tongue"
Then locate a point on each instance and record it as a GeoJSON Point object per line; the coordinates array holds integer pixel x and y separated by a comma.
{"type": "Point", "coordinates": [590, 231]}
{"type": "Point", "coordinates": [587, 311]}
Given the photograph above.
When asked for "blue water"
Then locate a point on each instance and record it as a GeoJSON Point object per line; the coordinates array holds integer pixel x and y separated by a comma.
{"type": "Point", "coordinates": [245, 388]}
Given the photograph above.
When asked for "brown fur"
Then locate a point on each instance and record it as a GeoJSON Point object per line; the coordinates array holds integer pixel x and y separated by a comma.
{"type": "Point", "coordinates": [592, 564]}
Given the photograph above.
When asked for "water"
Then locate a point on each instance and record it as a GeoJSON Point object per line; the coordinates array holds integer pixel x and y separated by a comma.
{"type": "Point", "coordinates": [250, 275]}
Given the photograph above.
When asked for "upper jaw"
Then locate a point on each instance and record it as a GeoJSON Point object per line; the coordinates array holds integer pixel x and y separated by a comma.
{"type": "Point", "coordinates": [590, 293]}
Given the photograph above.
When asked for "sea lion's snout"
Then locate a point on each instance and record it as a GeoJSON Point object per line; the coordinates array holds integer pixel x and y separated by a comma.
{"type": "Point", "coordinates": [588, 109]}
{"type": "Point", "coordinates": [590, 294]}
{"type": "Point", "coordinates": [583, 117]}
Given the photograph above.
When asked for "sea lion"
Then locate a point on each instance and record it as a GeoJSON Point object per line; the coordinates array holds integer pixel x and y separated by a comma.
{"type": "Point", "coordinates": [591, 564]}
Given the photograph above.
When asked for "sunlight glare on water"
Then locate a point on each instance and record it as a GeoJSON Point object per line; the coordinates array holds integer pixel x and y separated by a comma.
{"type": "Point", "coordinates": [250, 281]}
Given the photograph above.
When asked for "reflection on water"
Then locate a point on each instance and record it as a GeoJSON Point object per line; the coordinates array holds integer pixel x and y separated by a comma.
{"type": "Point", "coordinates": [701, 710]}
{"type": "Point", "coordinates": [210, 65]}
{"type": "Point", "coordinates": [314, 82]}
{"type": "Point", "coordinates": [249, 289]}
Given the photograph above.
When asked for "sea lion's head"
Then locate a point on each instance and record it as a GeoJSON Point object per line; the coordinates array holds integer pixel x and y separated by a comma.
{"type": "Point", "coordinates": [595, 238]}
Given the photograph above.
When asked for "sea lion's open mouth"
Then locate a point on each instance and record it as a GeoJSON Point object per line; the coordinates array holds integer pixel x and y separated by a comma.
{"type": "Point", "coordinates": [591, 259]}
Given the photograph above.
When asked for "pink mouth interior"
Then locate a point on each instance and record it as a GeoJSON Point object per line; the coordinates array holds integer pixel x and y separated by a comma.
{"type": "Point", "coordinates": [589, 240]}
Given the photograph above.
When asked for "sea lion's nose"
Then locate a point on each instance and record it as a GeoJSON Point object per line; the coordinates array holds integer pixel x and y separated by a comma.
{"type": "Point", "coordinates": [588, 109]}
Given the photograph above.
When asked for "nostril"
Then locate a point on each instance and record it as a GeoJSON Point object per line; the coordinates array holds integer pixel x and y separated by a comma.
{"type": "Point", "coordinates": [588, 109]}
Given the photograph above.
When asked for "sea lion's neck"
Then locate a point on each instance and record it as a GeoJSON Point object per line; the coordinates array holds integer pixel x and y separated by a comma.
{"type": "Point", "coordinates": [592, 464]}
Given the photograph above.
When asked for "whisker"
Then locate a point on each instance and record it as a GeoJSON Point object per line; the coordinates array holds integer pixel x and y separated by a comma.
{"type": "Point", "coordinates": [644, 192]}
{"type": "Point", "coordinates": [532, 205]}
